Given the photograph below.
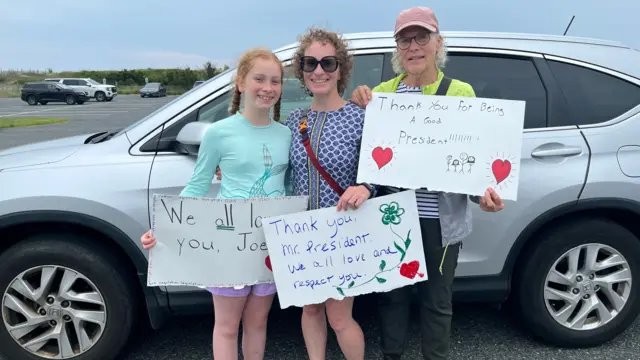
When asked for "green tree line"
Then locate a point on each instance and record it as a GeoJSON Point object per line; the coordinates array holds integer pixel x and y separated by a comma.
{"type": "Point", "coordinates": [183, 78]}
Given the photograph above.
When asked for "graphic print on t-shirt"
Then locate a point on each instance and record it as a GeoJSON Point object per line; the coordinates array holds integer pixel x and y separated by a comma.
{"type": "Point", "coordinates": [258, 188]}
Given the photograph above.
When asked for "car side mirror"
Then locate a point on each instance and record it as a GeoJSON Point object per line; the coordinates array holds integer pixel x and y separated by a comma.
{"type": "Point", "coordinates": [190, 136]}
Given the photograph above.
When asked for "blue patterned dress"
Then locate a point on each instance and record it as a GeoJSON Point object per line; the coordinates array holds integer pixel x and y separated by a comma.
{"type": "Point", "coordinates": [335, 138]}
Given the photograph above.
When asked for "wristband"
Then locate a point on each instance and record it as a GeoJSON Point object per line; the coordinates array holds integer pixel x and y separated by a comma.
{"type": "Point", "coordinates": [369, 187]}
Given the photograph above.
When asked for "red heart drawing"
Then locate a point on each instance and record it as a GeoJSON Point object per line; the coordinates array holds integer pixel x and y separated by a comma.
{"type": "Point", "coordinates": [267, 261]}
{"type": "Point", "coordinates": [501, 169]}
{"type": "Point", "coordinates": [382, 156]}
{"type": "Point", "coordinates": [409, 270]}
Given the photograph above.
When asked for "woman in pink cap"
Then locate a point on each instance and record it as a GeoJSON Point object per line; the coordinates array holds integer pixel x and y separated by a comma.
{"type": "Point", "coordinates": [445, 218]}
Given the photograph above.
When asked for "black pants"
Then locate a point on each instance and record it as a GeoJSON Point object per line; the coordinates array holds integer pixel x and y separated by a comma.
{"type": "Point", "coordinates": [436, 309]}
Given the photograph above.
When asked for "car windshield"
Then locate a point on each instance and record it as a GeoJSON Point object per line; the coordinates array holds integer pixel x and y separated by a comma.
{"type": "Point", "coordinates": [177, 98]}
{"type": "Point", "coordinates": [152, 86]}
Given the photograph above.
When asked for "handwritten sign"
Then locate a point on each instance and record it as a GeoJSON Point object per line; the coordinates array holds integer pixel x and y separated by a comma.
{"type": "Point", "coordinates": [443, 143]}
{"type": "Point", "coordinates": [322, 254]}
{"type": "Point", "coordinates": [213, 242]}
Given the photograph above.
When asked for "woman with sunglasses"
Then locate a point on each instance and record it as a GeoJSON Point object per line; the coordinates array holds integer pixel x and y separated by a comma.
{"type": "Point", "coordinates": [323, 162]}
{"type": "Point", "coordinates": [445, 218]}
{"type": "Point", "coordinates": [329, 131]}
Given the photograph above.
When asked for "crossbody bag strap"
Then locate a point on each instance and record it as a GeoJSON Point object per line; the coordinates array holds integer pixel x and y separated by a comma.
{"type": "Point", "coordinates": [444, 86]}
{"type": "Point", "coordinates": [304, 139]}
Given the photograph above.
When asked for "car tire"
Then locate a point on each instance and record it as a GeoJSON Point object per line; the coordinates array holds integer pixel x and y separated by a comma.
{"type": "Point", "coordinates": [70, 99]}
{"type": "Point", "coordinates": [32, 100]}
{"type": "Point", "coordinates": [552, 252]}
{"type": "Point", "coordinates": [109, 99]}
{"type": "Point", "coordinates": [93, 262]}
{"type": "Point", "coordinates": [100, 96]}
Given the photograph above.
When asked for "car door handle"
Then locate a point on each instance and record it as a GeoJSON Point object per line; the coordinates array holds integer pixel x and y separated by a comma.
{"type": "Point", "coordinates": [565, 151]}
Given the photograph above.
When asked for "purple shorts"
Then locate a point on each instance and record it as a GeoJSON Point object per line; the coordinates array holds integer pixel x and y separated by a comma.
{"type": "Point", "coordinates": [257, 290]}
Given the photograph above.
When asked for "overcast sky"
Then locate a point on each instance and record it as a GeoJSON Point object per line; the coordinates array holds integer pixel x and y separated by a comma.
{"type": "Point", "coordinates": [116, 34]}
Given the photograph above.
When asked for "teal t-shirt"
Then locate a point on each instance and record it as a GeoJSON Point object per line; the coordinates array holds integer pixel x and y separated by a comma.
{"type": "Point", "coordinates": [254, 160]}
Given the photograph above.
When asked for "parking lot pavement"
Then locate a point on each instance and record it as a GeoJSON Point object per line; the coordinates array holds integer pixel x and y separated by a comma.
{"type": "Point", "coordinates": [89, 117]}
{"type": "Point", "coordinates": [479, 332]}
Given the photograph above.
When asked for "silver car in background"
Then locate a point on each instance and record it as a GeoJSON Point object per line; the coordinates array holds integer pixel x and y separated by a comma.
{"type": "Point", "coordinates": [566, 254]}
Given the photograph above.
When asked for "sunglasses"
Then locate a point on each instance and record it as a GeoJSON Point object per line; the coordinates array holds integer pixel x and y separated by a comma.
{"type": "Point", "coordinates": [421, 39]}
{"type": "Point", "coordinates": [328, 63]}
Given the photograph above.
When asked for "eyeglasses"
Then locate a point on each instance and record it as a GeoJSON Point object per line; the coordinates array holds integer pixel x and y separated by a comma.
{"type": "Point", "coordinates": [421, 39]}
{"type": "Point", "coordinates": [328, 63]}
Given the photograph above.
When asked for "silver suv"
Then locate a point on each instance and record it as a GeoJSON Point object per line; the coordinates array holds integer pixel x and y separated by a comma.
{"type": "Point", "coordinates": [73, 275]}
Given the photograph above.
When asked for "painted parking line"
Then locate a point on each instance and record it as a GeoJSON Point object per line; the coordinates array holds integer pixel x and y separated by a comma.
{"type": "Point", "coordinates": [31, 112]}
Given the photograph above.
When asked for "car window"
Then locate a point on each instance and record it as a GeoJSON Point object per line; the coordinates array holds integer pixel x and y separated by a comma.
{"type": "Point", "coordinates": [593, 96]}
{"type": "Point", "coordinates": [367, 70]}
{"type": "Point", "coordinates": [498, 77]}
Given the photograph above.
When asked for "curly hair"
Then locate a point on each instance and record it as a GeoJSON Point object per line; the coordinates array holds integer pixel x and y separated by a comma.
{"type": "Point", "coordinates": [244, 66]}
{"type": "Point", "coordinates": [345, 59]}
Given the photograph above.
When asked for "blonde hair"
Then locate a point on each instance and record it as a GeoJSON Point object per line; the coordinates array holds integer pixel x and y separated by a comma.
{"type": "Point", "coordinates": [441, 59]}
{"type": "Point", "coordinates": [345, 59]}
{"type": "Point", "coordinates": [244, 66]}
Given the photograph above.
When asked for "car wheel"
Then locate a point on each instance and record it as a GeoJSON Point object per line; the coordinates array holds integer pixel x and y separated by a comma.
{"type": "Point", "coordinates": [63, 298]}
{"type": "Point", "coordinates": [576, 287]}
{"type": "Point", "coordinates": [31, 100]}
{"type": "Point", "coordinates": [70, 99]}
{"type": "Point", "coordinates": [100, 96]}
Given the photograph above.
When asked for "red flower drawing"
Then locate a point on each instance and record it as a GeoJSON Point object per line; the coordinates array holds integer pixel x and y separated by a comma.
{"type": "Point", "coordinates": [409, 270]}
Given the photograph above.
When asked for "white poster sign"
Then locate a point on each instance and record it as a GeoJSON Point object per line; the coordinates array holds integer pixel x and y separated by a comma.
{"type": "Point", "coordinates": [325, 253]}
{"type": "Point", "coordinates": [443, 143]}
{"type": "Point", "coordinates": [213, 242]}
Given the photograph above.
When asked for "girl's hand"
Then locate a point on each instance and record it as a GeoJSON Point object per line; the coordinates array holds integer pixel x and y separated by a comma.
{"type": "Point", "coordinates": [148, 241]}
{"type": "Point", "coordinates": [353, 197]}
{"type": "Point", "coordinates": [218, 173]}
{"type": "Point", "coordinates": [491, 201]}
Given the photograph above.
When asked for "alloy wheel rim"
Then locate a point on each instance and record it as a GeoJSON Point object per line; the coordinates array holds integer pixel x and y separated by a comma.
{"type": "Point", "coordinates": [587, 287]}
{"type": "Point", "coordinates": [54, 312]}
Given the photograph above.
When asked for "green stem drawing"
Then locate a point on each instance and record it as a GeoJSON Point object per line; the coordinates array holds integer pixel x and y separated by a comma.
{"type": "Point", "coordinates": [392, 216]}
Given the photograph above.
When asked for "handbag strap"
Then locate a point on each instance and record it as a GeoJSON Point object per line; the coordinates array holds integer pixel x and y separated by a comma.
{"type": "Point", "coordinates": [444, 86]}
{"type": "Point", "coordinates": [304, 139]}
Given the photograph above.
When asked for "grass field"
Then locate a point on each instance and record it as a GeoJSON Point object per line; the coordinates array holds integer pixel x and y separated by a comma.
{"type": "Point", "coordinates": [12, 122]}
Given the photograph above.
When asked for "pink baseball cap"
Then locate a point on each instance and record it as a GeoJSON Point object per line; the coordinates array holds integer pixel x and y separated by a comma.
{"type": "Point", "coordinates": [417, 16]}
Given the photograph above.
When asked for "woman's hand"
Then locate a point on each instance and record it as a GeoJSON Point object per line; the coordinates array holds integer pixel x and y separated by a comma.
{"type": "Point", "coordinates": [218, 173]}
{"type": "Point", "coordinates": [353, 197]}
{"type": "Point", "coordinates": [361, 96]}
{"type": "Point", "coordinates": [148, 240]}
{"type": "Point", "coordinates": [491, 201]}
